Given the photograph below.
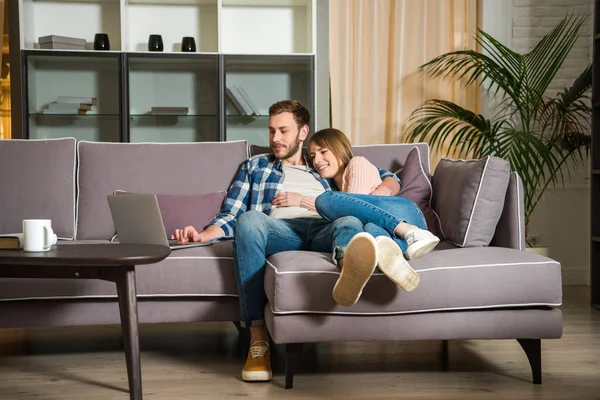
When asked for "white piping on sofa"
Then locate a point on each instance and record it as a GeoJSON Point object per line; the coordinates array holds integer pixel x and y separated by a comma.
{"type": "Point", "coordinates": [476, 200]}
{"type": "Point", "coordinates": [519, 210]}
{"type": "Point", "coordinates": [487, 307]}
{"type": "Point", "coordinates": [424, 270]}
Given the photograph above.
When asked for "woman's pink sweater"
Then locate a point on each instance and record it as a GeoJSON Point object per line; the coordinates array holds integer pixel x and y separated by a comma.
{"type": "Point", "coordinates": [360, 177]}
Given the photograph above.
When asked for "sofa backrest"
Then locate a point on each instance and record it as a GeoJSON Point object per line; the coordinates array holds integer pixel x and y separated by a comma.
{"type": "Point", "coordinates": [392, 156]}
{"type": "Point", "coordinates": [171, 168]}
{"type": "Point", "coordinates": [38, 181]}
{"type": "Point", "coordinates": [384, 156]}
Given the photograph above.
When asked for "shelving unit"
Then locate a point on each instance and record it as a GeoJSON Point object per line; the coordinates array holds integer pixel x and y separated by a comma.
{"type": "Point", "coordinates": [267, 47]}
{"type": "Point", "coordinates": [187, 80]}
{"type": "Point", "coordinates": [595, 176]}
{"type": "Point", "coordinates": [49, 74]}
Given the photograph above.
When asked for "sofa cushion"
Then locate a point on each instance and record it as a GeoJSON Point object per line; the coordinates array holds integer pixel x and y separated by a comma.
{"type": "Point", "coordinates": [174, 168]}
{"type": "Point", "coordinates": [416, 186]}
{"type": "Point", "coordinates": [38, 181]}
{"type": "Point", "coordinates": [180, 210]}
{"type": "Point", "coordinates": [468, 196]}
{"type": "Point", "coordinates": [190, 272]}
{"type": "Point", "coordinates": [456, 279]}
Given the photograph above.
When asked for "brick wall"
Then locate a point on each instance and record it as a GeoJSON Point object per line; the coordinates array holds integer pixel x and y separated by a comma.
{"type": "Point", "coordinates": [532, 19]}
{"type": "Point", "coordinates": [561, 221]}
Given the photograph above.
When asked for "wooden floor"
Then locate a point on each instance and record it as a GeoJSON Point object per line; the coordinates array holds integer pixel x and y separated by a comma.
{"type": "Point", "coordinates": [198, 361]}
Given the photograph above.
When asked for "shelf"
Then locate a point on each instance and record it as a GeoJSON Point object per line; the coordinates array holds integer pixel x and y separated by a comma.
{"type": "Point", "coordinates": [243, 27]}
{"type": "Point", "coordinates": [596, 239]}
{"type": "Point", "coordinates": [596, 172]}
{"type": "Point", "coordinates": [267, 3]}
{"type": "Point", "coordinates": [79, 19]}
{"type": "Point", "coordinates": [41, 115]}
{"type": "Point", "coordinates": [174, 2]}
{"type": "Point", "coordinates": [172, 115]}
{"type": "Point", "coordinates": [245, 116]}
{"type": "Point", "coordinates": [268, 62]}
{"type": "Point", "coordinates": [72, 53]}
{"type": "Point", "coordinates": [198, 19]}
{"type": "Point", "coordinates": [171, 62]}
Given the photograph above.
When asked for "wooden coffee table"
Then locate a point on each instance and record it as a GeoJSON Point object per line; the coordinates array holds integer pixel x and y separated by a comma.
{"type": "Point", "coordinates": [109, 262]}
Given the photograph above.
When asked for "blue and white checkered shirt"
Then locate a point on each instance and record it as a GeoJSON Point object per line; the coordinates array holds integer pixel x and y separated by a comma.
{"type": "Point", "coordinates": [256, 184]}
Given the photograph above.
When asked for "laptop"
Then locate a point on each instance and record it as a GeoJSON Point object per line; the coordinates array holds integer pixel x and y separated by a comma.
{"type": "Point", "coordinates": [137, 220]}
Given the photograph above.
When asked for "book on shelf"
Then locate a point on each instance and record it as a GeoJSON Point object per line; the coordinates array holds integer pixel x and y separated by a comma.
{"type": "Point", "coordinates": [11, 241]}
{"type": "Point", "coordinates": [77, 100]}
{"type": "Point", "coordinates": [170, 110]}
{"type": "Point", "coordinates": [234, 102]}
{"type": "Point", "coordinates": [74, 111]}
{"type": "Point", "coordinates": [69, 106]}
{"type": "Point", "coordinates": [240, 102]}
{"type": "Point", "coordinates": [247, 99]}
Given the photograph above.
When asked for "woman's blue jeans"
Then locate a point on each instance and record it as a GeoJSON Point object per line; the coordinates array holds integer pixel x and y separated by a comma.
{"type": "Point", "coordinates": [380, 215]}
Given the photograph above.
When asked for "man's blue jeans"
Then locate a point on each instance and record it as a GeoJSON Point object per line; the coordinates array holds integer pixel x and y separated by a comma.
{"type": "Point", "coordinates": [258, 236]}
{"type": "Point", "coordinates": [380, 215]}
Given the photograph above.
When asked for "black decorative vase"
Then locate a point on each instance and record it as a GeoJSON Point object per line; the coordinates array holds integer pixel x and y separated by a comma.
{"type": "Point", "coordinates": [155, 43]}
{"type": "Point", "coordinates": [188, 44]}
{"type": "Point", "coordinates": [101, 42]}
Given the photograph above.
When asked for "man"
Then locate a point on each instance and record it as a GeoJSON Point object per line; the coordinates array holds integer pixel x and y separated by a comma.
{"type": "Point", "coordinates": [261, 229]}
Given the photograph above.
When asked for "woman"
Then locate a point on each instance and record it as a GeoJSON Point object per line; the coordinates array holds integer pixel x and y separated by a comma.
{"type": "Point", "coordinates": [396, 223]}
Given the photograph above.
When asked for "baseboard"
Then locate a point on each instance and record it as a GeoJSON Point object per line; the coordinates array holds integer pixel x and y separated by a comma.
{"type": "Point", "coordinates": [575, 275]}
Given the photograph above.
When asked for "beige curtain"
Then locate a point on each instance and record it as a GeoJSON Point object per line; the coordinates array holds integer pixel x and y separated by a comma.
{"type": "Point", "coordinates": [375, 49]}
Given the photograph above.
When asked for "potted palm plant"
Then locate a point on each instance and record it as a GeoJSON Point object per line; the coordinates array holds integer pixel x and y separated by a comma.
{"type": "Point", "coordinates": [543, 138]}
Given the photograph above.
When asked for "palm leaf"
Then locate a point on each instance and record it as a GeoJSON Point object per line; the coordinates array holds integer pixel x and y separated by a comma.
{"type": "Point", "coordinates": [443, 123]}
{"type": "Point", "coordinates": [474, 67]}
{"type": "Point", "coordinates": [546, 58]}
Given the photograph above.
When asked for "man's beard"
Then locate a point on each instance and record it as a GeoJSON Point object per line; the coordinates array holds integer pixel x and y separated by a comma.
{"type": "Point", "coordinates": [293, 150]}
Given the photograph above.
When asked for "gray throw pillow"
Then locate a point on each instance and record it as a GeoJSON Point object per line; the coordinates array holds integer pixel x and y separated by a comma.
{"type": "Point", "coordinates": [180, 210]}
{"type": "Point", "coordinates": [468, 196]}
{"type": "Point", "coordinates": [416, 186]}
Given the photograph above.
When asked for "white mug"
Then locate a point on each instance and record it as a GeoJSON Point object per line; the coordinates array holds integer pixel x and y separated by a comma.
{"type": "Point", "coordinates": [38, 235]}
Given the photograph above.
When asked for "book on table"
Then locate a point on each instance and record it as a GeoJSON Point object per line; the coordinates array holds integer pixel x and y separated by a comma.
{"type": "Point", "coordinates": [10, 241]}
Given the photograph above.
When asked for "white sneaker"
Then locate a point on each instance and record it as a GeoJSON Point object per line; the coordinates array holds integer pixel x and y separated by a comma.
{"type": "Point", "coordinates": [419, 242]}
{"type": "Point", "coordinates": [393, 264]}
{"type": "Point", "coordinates": [360, 260]}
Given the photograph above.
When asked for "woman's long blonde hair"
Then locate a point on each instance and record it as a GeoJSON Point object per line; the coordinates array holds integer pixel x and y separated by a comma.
{"type": "Point", "coordinates": [334, 140]}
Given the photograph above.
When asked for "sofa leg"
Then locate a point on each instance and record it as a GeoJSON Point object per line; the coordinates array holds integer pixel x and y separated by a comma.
{"type": "Point", "coordinates": [292, 353]}
{"type": "Point", "coordinates": [533, 350]}
{"type": "Point", "coordinates": [445, 355]}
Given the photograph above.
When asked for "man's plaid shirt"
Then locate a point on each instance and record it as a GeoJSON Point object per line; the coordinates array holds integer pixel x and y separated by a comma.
{"type": "Point", "coordinates": [256, 184]}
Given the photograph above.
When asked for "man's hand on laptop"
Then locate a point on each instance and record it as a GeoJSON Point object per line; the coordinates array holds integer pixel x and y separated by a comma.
{"type": "Point", "coordinates": [190, 234]}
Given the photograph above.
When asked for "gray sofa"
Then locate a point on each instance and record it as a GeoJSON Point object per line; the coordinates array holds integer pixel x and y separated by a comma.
{"type": "Point", "coordinates": [498, 291]}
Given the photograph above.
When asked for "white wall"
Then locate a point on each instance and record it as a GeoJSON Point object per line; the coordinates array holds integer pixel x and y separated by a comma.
{"type": "Point", "coordinates": [561, 221]}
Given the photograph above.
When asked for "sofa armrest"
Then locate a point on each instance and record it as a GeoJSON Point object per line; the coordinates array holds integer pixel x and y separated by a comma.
{"type": "Point", "coordinates": [510, 231]}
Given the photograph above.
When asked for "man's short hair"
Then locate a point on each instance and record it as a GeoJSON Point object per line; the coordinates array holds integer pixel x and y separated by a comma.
{"type": "Point", "coordinates": [301, 113]}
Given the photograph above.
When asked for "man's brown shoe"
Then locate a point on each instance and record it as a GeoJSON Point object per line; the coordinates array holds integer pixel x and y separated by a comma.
{"type": "Point", "coordinates": [258, 363]}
